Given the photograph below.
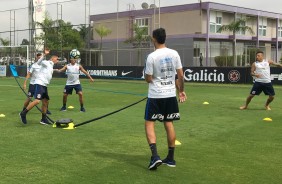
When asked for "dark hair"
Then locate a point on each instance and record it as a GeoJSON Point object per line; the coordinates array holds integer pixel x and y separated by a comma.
{"type": "Point", "coordinates": [38, 54]}
{"type": "Point", "coordinates": [259, 52]}
{"type": "Point", "coordinates": [159, 35]}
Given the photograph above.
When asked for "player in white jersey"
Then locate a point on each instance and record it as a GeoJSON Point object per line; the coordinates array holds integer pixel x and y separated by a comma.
{"type": "Point", "coordinates": [73, 70]}
{"type": "Point", "coordinates": [41, 91]}
{"type": "Point", "coordinates": [260, 70]}
{"type": "Point", "coordinates": [161, 67]}
{"type": "Point", "coordinates": [32, 74]}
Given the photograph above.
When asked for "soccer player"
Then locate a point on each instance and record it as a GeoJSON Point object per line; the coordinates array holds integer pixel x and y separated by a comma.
{"type": "Point", "coordinates": [260, 70]}
{"type": "Point", "coordinates": [32, 74]}
{"type": "Point", "coordinates": [41, 91]}
{"type": "Point", "coordinates": [72, 70]}
{"type": "Point", "coordinates": [161, 67]}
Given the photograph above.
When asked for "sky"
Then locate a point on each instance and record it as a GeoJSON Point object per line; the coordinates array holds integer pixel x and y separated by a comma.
{"type": "Point", "coordinates": [74, 10]}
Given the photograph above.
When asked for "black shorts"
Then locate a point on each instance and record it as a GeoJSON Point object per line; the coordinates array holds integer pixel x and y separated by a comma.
{"type": "Point", "coordinates": [162, 109]}
{"type": "Point", "coordinates": [31, 90]}
{"type": "Point", "coordinates": [258, 87]}
{"type": "Point", "coordinates": [40, 92]}
{"type": "Point", "coordinates": [68, 88]}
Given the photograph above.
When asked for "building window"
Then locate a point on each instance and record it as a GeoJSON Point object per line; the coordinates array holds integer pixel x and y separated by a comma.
{"type": "Point", "coordinates": [240, 16]}
{"type": "Point", "coordinates": [262, 26]}
{"type": "Point", "coordinates": [280, 28]}
{"type": "Point", "coordinates": [143, 23]}
{"type": "Point", "coordinates": [215, 21]}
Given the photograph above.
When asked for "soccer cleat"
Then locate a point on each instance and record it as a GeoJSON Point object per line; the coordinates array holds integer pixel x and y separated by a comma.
{"type": "Point", "coordinates": [63, 108]}
{"type": "Point", "coordinates": [82, 109]}
{"type": "Point", "coordinates": [154, 163]}
{"type": "Point", "coordinates": [23, 118]}
{"type": "Point", "coordinates": [48, 112]}
{"type": "Point", "coordinates": [168, 162]}
{"type": "Point", "coordinates": [44, 121]}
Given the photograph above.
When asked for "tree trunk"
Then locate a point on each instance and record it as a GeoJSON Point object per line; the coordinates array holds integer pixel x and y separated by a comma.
{"type": "Point", "coordinates": [234, 52]}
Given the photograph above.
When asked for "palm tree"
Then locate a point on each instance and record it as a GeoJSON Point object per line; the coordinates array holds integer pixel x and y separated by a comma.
{"type": "Point", "coordinates": [4, 42]}
{"type": "Point", "coordinates": [234, 27]}
{"type": "Point", "coordinates": [139, 40]}
{"type": "Point", "coordinates": [102, 31]}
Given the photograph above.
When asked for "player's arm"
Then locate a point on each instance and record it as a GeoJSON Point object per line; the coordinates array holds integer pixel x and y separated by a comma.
{"type": "Point", "coordinates": [26, 78]}
{"type": "Point", "coordinates": [180, 85]}
{"type": "Point", "coordinates": [86, 73]}
{"type": "Point", "coordinates": [274, 63]}
{"type": "Point", "coordinates": [253, 71]}
{"type": "Point", "coordinates": [61, 70]}
{"type": "Point", "coordinates": [40, 60]}
{"type": "Point", "coordinates": [148, 78]}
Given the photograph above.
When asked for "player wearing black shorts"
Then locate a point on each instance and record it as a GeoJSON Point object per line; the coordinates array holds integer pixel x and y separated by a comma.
{"type": "Point", "coordinates": [260, 70]}
{"type": "Point", "coordinates": [160, 70]}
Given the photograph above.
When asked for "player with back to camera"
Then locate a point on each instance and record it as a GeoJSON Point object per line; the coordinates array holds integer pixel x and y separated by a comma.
{"type": "Point", "coordinates": [260, 70]}
{"type": "Point", "coordinates": [72, 70]}
{"type": "Point", "coordinates": [161, 67]}
{"type": "Point", "coordinates": [41, 92]}
{"type": "Point", "coordinates": [32, 74]}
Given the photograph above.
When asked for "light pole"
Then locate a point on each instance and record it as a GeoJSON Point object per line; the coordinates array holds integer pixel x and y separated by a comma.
{"type": "Point", "coordinates": [117, 29]}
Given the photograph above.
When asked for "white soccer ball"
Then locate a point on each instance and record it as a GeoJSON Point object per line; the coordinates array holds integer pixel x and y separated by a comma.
{"type": "Point", "coordinates": [74, 54]}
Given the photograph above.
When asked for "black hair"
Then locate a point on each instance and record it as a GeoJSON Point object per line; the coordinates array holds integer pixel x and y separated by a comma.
{"type": "Point", "coordinates": [38, 54]}
{"type": "Point", "coordinates": [160, 35]}
{"type": "Point", "coordinates": [259, 52]}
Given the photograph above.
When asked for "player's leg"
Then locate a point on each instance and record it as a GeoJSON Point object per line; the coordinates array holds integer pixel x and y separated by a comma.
{"type": "Point", "coordinates": [171, 137]}
{"type": "Point", "coordinates": [45, 102]}
{"type": "Point", "coordinates": [78, 90]}
{"type": "Point", "coordinates": [30, 94]}
{"type": "Point", "coordinates": [67, 91]}
{"type": "Point", "coordinates": [256, 90]}
{"type": "Point", "coordinates": [150, 118]}
{"type": "Point", "coordinates": [38, 97]}
{"type": "Point", "coordinates": [171, 114]}
{"type": "Point", "coordinates": [268, 90]}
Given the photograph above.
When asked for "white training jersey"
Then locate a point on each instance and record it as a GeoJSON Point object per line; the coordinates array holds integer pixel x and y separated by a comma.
{"type": "Point", "coordinates": [34, 71]}
{"type": "Point", "coordinates": [73, 74]}
{"type": "Point", "coordinates": [263, 69]}
{"type": "Point", "coordinates": [45, 72]}
{"type": "Point", "coordinates": [162, 65]}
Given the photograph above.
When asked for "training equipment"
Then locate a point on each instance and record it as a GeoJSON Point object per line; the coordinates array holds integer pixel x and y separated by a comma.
{"type": "Point", "coordinates": [267, 119]}
{"type": "Point", "coordinates": [2, 115]}
{"type": "Point", "coordinates": [64, 123]}
{"type": "Point", "coordinates": [70, 107]}
{"type": "Point", "coordinates": [206, 103]}
{"type": "Point", "coordinates": [177, 143]}
{"type": "Point", "coordinates": [74, 54]}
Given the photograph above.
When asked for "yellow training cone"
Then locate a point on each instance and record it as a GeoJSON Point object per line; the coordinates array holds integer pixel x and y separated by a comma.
{"type": "Point", "coordinates": [70, 107]}
{"type": "Point", "coordinates": [2, 115]}
{"type": "Point", "coordinates": [267, 119]}
{"type": "Point", "coordinates": [177, 142]}
{"type": "Point", "coordinates": [206, 103]}
{"type": "Point", "coordinates": [70, 126]}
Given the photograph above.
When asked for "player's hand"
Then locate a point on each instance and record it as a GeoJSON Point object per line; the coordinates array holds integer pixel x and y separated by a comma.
{"type": "Point", "coordinates": [182, 97]}
{"type": "Point", "coordinates": [91, 80]}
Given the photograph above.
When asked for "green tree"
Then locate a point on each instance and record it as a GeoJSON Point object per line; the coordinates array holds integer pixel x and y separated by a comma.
{"type": "Point", "coordinates": [59, 35]}
{"type": "Point", "coordinates": [4, 42]}
{"type": "Point", "coordinates": [102, 31]}
{"type": "Point", "coordinates": [140, 39]}
{"type": "Point", "coordinates": [238, 25]}
{"type": "Point", "coordinates": [25, 42]}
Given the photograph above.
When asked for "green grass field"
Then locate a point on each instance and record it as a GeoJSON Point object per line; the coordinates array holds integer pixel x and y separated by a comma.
{"type": "Point", "coordinates": [220, 143]}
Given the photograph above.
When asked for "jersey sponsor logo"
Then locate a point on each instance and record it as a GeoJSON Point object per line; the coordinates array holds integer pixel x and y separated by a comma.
{"type": "Point", "coordinates": [166, 70]}
{"type": "Point", "coordinates": [173, 116]}
{"type": "Point", "coordinates": [166, 83]}
{"type": "Point", "coordinates": [203, 75]}
{"type": "Point", "coordinates": [158, 116]}
{"type": "Point", "coordinates": [125, 73]}
{"type": "Point", "coordinates": [234, 76]}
